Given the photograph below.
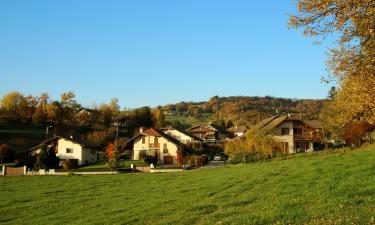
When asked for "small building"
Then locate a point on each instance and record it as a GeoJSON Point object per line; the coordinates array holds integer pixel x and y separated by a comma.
{"type": "Point", "coordinates": [237, 131]}
{"type": "Point", "coordinates": [69, 148]}
{"type": "Point", "coordinates": [208, 133]}
{"type": "Point", "coordinates": [158, 144]}
{"type": "Point", "coordinates": [184, 137]}
{"type": "Point", "coordinates": [295, 135]}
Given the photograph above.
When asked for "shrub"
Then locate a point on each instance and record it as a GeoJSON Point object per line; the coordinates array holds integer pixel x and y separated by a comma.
{"type": "Point", "coordinates": [151, 159]}
{"type": "Point", "coordinates": [204, 159]}
{"type": "Point", "coordinates": [256, 147]}
{"type": "Point", "coordinates": [191, 161]}
{"type": "Point", "coordinates": [70, 164]}
{"type": "Point", "coordinates": [142, 155]}
{"type": "Point", "coordinates": [198, 161]}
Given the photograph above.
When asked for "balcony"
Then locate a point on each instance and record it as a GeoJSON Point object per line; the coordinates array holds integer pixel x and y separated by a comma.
{"type": "Point", "coordinates": [154, 145]}
{"type": "Point", "coordinates": [305, 137]}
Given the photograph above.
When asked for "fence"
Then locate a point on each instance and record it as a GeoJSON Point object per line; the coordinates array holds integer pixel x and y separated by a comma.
{"type": "Point", "coordinates": [13, 171]}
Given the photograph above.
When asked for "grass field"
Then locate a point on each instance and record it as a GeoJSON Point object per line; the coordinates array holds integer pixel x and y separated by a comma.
{"type": "Point", "coordinates": [337, 188]}
{"type": "Point", "coordinates": [187, 122]}
{"type": "Point", "coordinates": [102, 166]}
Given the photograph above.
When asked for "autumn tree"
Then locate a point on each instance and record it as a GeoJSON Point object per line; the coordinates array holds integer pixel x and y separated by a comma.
{"type": "Point", "coordinates": [113, 157]}
{"type": "Point", "coordinates": [256, 146]}
{"type": "Point", "coordinates": [54, 112]}
{"type": "Point", "coordinates": [14, 106]}
{"type": "Point", "coordinates": [355, 133]}
{"type": "Point", "coordinates": [40, 112]}
{"type": "Point", "coordinates": [351, 61]}
{"type": "Point", "coordinates": [69, 106]}
{"type": "Point", "coordinates": [158, 117]}
{"type": "Point", "coordinates": [109, 113]}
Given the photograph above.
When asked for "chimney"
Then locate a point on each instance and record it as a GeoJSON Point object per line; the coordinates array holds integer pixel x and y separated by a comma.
{"type": "Point", "coordinates": [141, 130]}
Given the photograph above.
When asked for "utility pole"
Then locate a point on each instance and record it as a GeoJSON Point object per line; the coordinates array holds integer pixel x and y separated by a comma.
{"type": "Point", "coordinates": [116, 137]}
{"type": "Point", "coordinates": [47, 129]}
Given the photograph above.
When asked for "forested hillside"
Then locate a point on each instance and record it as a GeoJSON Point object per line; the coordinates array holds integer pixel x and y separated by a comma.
{"type": "Point", "coordinates": [242, 110]}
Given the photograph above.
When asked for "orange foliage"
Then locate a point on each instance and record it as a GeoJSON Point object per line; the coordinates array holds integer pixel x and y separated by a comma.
{"type": "Point", "coordinates": [110, 149]}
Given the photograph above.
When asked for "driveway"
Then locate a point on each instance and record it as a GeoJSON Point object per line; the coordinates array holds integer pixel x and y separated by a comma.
{"type": "Point", "coordinates": [214, 165]}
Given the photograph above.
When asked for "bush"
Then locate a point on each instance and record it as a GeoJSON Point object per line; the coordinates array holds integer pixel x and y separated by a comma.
{"type": "Point", "coordinates": [198, 161]}
{"type": "Point", "coordinates": [191, 161]}
{"type": "Point", "coordinates": [256, 147]}
{"type": "Point", "coordinates": [151, 159]}
{"type": "Point", "coordinates": [142, 155]}
{"type": "Point", "coordinates": [204, 159]}
{"type": "Point", "coordinates": [70, 164]}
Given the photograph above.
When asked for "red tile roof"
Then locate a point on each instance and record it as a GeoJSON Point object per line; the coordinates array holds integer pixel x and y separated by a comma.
{"type": "Point", "coordinates": [151, 132]}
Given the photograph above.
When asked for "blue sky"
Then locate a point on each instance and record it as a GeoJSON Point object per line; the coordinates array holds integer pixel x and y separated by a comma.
{"type": "Point", "coordinates": [151, 52]}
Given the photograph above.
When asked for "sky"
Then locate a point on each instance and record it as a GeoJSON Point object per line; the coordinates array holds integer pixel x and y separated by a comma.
{"type": "Point", "coordinates": [155, 52]}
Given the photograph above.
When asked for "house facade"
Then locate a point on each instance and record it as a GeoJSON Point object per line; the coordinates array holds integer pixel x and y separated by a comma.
{"type": "Point", "coordinates": [294, 134]}
{"type": "Point", "coordinates": [69, 148]}
{"type": "Point", "coordinates": [207, 133]}
{"type": "Point", "coordinates": [184, 137]}
{"type": "Point", "coordinates": [156, 143]}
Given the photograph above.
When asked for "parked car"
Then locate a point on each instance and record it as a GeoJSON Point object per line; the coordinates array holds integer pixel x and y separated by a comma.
{"type": "Point", "coordinates": [218, 158]}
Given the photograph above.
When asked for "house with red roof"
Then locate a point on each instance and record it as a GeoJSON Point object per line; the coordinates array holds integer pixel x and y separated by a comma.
{"type": "Point", "coordinates": [158, 144]}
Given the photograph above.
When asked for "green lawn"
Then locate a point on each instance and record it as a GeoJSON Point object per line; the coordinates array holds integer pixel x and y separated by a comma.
{"type": "Point", "coordinates": [102, 166]}
{"type": "Point", "coordinates": [325, 188]}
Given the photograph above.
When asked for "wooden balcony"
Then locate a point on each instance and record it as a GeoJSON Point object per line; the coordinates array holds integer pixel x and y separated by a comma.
{"type": "Point", "coordinates": [155, 146]}
{"type": "Point", "coordinates": [305, 137]}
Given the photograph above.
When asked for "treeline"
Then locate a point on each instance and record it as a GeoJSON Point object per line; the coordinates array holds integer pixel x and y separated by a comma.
{"type": "Point", "coordinates": [241, 110]}
{"type": "Point", "coordinates": [65, 116]}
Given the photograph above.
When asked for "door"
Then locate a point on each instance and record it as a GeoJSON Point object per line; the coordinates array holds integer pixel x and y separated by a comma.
{"type": "Point", "coordinates": [168, 160]}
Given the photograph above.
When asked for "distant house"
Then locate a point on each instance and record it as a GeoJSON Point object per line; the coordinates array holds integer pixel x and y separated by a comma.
{"type": "Point", "coordinates": [295, 134]}
{"type": "Point", "coordinates": [209, 133]}
{"type": "Point", "coordinates": [156, 143]}
{"type": "Point", "coordinates": [183, 137]}
{"type": "Point", "coordinates": [237, 131]}
{"type": "Point", "coordinates": [69, 148]}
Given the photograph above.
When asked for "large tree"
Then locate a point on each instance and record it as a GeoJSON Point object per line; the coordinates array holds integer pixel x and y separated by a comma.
{"type": "Point", "coordinates": [14, 106]}
{"type": "Point", "coordinates": [351, 61]}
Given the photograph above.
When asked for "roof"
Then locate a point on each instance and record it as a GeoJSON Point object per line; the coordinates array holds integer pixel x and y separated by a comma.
{"type": "Point", "coordinates": [157, 133]}
{"type": "Point", "coordinates": [181, 131]}
{"type": "Point", "coordinates": [202, 129]}
{"type": "Point", "coordinates": [238, 129]}
{"type": "Point", "coordinates": [315, 124]}
{"type": "Point", "coordinates": [271, 123]}
{"type": "Point", "coordinates": [80, 142]}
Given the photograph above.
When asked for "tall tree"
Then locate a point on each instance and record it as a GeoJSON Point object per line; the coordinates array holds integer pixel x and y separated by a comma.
{"type": "Point", "coordinates": [352, 61]}
{"type": "Point", "coordinates": [15, 106]}
{"type": "Point", "coordinates": [158, 117]}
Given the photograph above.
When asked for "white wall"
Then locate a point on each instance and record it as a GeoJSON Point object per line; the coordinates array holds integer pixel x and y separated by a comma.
{"type": "Point", "coordinates": [138, 146]}
{"type": "Point", "coordinates": [63, 144]}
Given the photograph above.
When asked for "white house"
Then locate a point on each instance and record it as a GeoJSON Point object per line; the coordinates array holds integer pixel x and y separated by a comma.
{"type": "Point", "coordinates": [295, 135]}
{"type": "Point", "coordinates": [69, 148]}
{"type": "Point", "coordinates": [184, 137]}
{"type": "Point", "coordinates": [156, 143]}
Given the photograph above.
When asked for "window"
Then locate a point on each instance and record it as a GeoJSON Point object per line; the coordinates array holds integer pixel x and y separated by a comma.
{"type": "Point", "coordinates": [165, 148]}
{"type": "Point", "coordinates": [297, 130]}
{"type": "Point", "coordinates": [156, 140]}
{"type": "Point", "coordinates": [284, 131]}
{"type": "Point", "coordinates": [143, 140]}
{"type": "Point", "coordinates": [69, 150]}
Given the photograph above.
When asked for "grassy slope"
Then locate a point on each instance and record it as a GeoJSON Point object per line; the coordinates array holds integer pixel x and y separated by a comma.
{"type": "Point", "coordinates": [187, 122]}
{"type": "Point", "coordinates": [324, 189]}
